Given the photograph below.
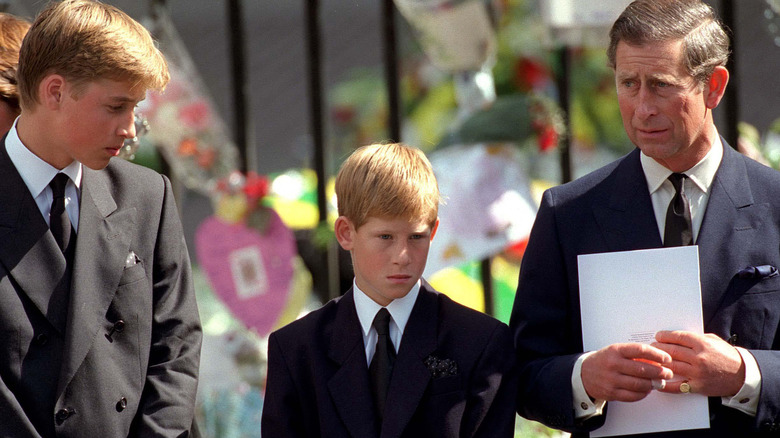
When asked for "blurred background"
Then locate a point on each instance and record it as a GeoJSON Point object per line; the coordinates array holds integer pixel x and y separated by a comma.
{"type": "Point", "coordinates": [507, 98]}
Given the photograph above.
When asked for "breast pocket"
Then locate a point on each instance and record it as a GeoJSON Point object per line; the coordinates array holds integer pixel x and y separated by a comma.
{"type": "Point", "coordinates": [755, 315]}
{"type": "Point", "coordinates": [132, 274]}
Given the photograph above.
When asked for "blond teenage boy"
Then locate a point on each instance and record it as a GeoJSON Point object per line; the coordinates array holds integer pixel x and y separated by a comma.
{"type": "Point", "coordinates": [99, 330]}
{"type": "Point", "coordinates": [433, 369]}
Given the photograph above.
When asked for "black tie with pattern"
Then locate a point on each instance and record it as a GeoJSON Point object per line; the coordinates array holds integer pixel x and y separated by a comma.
{"type": "Point", "coordinates": [59, 222]}
{"type": "Point", "coordinates": [61, 228]}
{"type": "Point", "coordinates": [382, 364]}
{"type": "Point", "coordinates": [678, 230]}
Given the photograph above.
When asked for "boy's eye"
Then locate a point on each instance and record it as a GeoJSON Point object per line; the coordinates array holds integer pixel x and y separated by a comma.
{"type": "Point", "coordinates": [416, 236]}
{"type": "Point", "coordinates": [384, 236]}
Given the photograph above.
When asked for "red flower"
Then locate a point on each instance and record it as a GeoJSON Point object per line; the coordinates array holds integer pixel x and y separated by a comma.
{"type": "Point", "coordinates": [195, 115]}
{"type": "Point", "coordinates": [530, 74]}
{"type": "Point", "coordinates": [548, 139]}
{"type": "Point", "coordinates": [206, 158]}
{"type": "Point", "coordinates": [256, 186]}
{"type": "Point", "coordinates": [343, 115]}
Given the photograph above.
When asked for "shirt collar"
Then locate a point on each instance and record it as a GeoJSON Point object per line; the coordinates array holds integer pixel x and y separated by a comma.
{"type": "Point", "coordinates": [400, 308]}
{"type": "Point", "coordinates": [701, 174]}
{"type": "Point", "coordinates": [35, 172]}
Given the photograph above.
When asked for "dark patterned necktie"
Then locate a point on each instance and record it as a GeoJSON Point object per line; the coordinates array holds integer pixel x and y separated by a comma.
{"type": "Point", "coordinates": [61, 228]}
{"type": "Point", "coordinates": [678, 230]}
{"type": "Point", "coordinates": [59, 222]}
{"type": "Point", "coordinates": [382, 363]}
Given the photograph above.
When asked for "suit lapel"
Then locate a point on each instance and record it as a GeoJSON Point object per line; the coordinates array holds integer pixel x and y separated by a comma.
{"type": "Point", "coordinates": [27, 248]}
{"type": "Point", "coordinates": [626, 215]}
{"type": "Point", "coordinates": [101, 248]}
{"type": "Point", "coordinates": [349, 387]}
{"type": "Point", "coordinates": [729, 222]}
{"type": "Point", "coordinates": [410, 375]}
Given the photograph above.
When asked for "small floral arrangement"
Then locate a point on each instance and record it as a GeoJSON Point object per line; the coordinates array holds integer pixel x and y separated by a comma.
{"type": "Point", "coordinates": [240, 199]}
{"type": "Point", "coordinates": [441, 367]}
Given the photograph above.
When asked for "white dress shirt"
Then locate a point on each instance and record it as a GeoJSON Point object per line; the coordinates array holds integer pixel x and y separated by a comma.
{"type": "Point", "coordinates": [697, 189]}
{"type": "Point", "coordinates": [37, 174]}
{"type": "Point", "coordinates": [400, 309]}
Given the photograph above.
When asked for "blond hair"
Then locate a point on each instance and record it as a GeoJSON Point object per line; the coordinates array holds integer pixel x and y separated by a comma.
{"type": "Point", "coordinates": [84, 41]}
{"type": "Point", "coordinates": [387, 181]}
{"type": "Point", "coordinates": [12, 31]}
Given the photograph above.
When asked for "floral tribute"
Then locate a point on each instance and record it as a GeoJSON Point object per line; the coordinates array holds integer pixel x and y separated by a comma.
{"type": "Point", "coordinates": [247, 252]}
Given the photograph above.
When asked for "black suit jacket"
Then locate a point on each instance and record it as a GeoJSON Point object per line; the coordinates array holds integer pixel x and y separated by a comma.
{"type": "Point", "coordinates": [139, 379]}
{"type": "Point", "coordinates": [610, 210]}
{"type": "Point", "coordinates": [318, 377]}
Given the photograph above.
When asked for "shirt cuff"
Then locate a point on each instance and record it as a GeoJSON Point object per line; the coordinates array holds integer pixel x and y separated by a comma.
{"type": "Point", "coordinates": [584, 407]}
{"type": "Point", "coordinates": [746, 400]}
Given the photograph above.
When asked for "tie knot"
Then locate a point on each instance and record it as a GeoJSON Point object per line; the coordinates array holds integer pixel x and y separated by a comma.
{"type": "Point", "coordinates": [382, 322]}
{"type": "Point", "coordinates": [677, 180]}
{"type": "Point", "coordinates": [57, 185]}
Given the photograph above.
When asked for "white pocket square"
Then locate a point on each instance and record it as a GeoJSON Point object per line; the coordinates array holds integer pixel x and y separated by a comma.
{"type": "Point", "coordinates": [131, 260]}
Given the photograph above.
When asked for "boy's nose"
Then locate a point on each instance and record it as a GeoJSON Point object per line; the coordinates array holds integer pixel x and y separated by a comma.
{"type": "Point", "coordinates": [127, 129]}
{"type": "Point", "coordinates": [402, 256]}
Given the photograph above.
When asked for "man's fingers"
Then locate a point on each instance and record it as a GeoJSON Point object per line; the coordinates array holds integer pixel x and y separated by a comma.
{"type": "Point", "coordinates": [645, 352]}
{"type": "Point", "coordinates": [648, 370]}
{"type": "Point", "coordinates": [678, 337]}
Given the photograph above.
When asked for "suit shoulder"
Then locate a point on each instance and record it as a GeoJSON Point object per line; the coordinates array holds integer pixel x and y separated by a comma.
{"type": "Point", "coordinates": [591, 182]}
{"type": "Point", "coordinates": [472, 323]}
{"type": "Point", "coordinates": [131, 182]}
{"type": "Point", "coordinates": [762, 171]}
{"type": "Point", "coordinates": [311, 326]}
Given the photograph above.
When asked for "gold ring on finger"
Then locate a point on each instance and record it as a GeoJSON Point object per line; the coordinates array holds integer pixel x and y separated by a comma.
{"type": "Point", "coordinates": [685, 387]}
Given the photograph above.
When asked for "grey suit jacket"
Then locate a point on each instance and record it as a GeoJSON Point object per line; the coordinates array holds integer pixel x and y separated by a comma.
{"type": "Point", "coordinates": [137, 377]}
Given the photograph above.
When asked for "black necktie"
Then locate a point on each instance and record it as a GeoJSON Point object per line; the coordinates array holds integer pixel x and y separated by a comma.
{"type": "Point", "coordinates": [60, 226]}
{"type": "Point", "coordinates": [382, 364]}
{"type": "Point", "coordinates": [59, 222]}
{"type": "Point", "coordinates": [678, 230]}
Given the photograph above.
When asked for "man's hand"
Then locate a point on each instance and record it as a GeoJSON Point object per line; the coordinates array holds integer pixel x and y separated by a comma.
{"type": "Point", "coordinates": [710, 365]}
{"type": "Point", "coordinates": [624, 372]}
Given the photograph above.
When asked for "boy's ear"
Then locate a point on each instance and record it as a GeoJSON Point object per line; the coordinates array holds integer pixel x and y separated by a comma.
{"type": "Point", "coordinates": [435, 227]}
{"type": "Point", "coordinates": [51, 90]}
{"type": "Point", "coordinates": [345, 232]}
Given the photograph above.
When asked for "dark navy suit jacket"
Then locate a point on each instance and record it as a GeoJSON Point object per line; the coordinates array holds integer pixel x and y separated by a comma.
{"type": "Point", "coordinates": [610, 210]}
{"type": "Point", "coordinates": [318, 377]}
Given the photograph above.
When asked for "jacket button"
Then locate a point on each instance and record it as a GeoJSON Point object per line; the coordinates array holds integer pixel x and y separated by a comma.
{"type": "Point", "coordinates": [119, 326]}
{"type": "Point", "coordinates": [41, 339]}
{"type": "Point", "coordinates": [121, 405]}
{"type": "Point", "coordinates": [733, 339]}
{"type": "Point", "coordinates": [63, 415]}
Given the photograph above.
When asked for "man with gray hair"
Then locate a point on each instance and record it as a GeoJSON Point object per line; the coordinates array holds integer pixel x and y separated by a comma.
{"type": "Point", "coordinates": [682, 185]}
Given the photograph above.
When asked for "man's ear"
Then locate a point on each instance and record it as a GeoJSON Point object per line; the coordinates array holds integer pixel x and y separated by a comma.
{"type": "Point", "coordinates": [715, 87]}
{"type": "Point", "coordinates": [51, 90]}
{"type": "Point", "coordinates": [435, 227]}
{"type": "Point", "coordinates": [345, 232]}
